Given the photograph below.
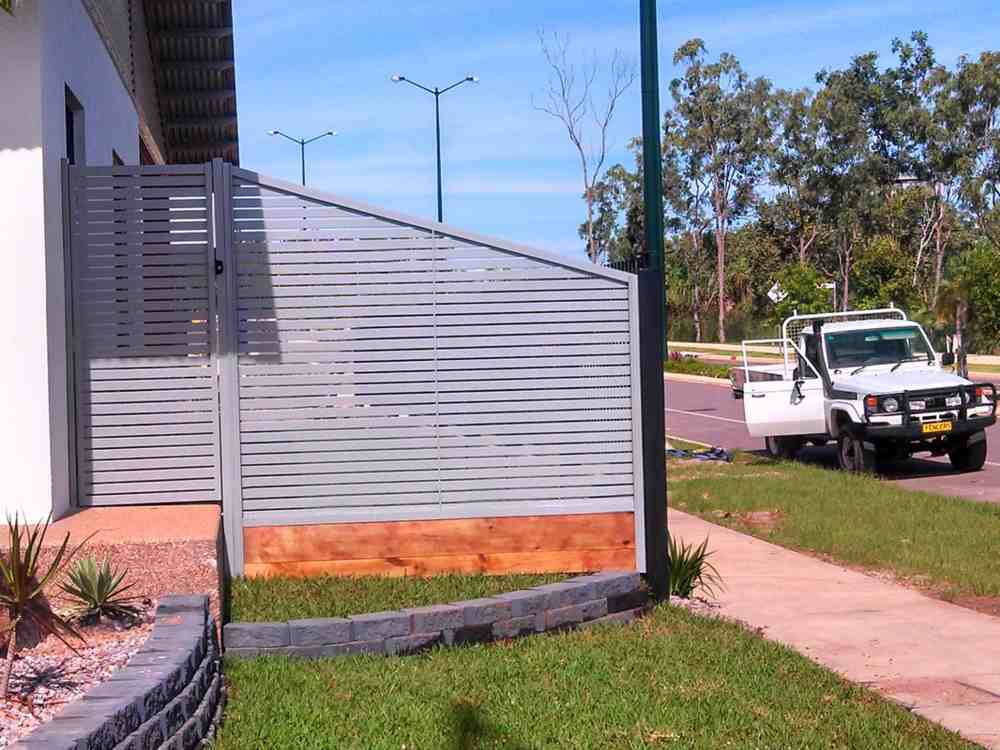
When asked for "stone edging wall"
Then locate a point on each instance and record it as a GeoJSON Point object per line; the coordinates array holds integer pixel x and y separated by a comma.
{"type": "Point", "coordinates": [168, 696]}
{"type": "Point", "coordinates": [603, 597]}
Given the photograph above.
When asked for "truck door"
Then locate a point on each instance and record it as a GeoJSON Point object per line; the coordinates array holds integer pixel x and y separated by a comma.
{"type": "Point", "coordinates": [790, 402]}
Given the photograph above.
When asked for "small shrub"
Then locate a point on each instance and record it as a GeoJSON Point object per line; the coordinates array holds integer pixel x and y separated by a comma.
{"type": "Point", "coordinates": [689, 366]}
{"type": "Point", "coordinates": [97, 591]}
{"type": "Point", "coordinates": [23, 579]}
{"type": "Point", "coordinates": [690, 569]}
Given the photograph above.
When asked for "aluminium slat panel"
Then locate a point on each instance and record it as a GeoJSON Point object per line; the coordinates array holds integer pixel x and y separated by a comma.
{"type": "Point", "coordinates": [144, 341]}
{"type": "Point", "coordinates": [384, 366]}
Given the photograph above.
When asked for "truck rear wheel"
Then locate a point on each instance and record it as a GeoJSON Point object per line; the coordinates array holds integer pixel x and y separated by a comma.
{"type": "Point", "coordinates": [970, 453]}
{"type": "Point", "coordinates": [853, 456]}
{"type": "Point", "coordinates": [783, 446]}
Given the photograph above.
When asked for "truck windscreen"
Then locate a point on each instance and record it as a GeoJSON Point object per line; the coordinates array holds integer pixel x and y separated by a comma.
{"type": "Point", "coordinates": [888, 346]}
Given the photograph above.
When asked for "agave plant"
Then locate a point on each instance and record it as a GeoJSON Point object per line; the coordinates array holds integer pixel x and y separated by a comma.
{"type": "Point", "coordinates": [690, 569]}
{"type": "Point", "coordinates": [97, 591]}
{"type": "Point", "coordinates": [23, 580]}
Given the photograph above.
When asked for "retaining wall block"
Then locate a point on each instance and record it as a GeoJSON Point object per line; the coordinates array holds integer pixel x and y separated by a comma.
{"type": "Point", "coordinates": [468, 635]}
{"type": "Point", "coordinates": [615, 584]}
{"type": "Point", "coordinates": [563, 617]}
{"type": "Point", "coordinates": [567, 593]}
{"type": "Point", "coordinates": [595, 609]}
{"type": "Point", "coordinates": [320, 632]}
{"type": "Point", "coordinates": [379, 626]}
{"type": "Point", "coordinates": [411, 644]}
{"type": "Point", "coordinates": [630, 600]}
{"type": "Point", "coordinates": [523, 603]}
{"type": "Point", "coordinates": [515, 627]}
{"type": "Point", "coordinates": [485, 611]}
{"type": "Point", "coordinates": [436, 618]}
{"type": "Point", "coordinates": [257, 635]}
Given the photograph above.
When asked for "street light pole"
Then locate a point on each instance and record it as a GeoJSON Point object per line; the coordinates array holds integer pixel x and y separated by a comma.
{"type": "Point", "coordinates": [302, 145]}
{"type": "Point", "coordinates": [437, 92]}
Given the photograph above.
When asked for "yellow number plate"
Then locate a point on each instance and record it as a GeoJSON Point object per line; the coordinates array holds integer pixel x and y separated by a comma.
{"type": "Point", "coordinates": [932, 428]}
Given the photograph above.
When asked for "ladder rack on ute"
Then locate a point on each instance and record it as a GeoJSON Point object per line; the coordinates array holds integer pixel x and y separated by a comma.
{"type": "Point", "coordinates": [795, 325]}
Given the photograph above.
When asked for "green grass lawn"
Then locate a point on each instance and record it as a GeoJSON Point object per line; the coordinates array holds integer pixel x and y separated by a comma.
{"type": "Point", "coordinates": [696, 367]}
{"type": "Point", "coordinates": [945, 543]}
{"type": "Point", "coordinates": [279, 599]}
{"type": "Point", "coordinates": [671, 680]}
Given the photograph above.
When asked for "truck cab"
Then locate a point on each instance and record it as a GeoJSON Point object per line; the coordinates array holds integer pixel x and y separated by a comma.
{"type": "Point", "coordinates": [871, 381]}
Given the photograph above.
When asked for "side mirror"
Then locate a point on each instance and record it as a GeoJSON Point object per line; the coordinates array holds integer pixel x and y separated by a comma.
{"type": "Point", "coordinates": [947, 359]}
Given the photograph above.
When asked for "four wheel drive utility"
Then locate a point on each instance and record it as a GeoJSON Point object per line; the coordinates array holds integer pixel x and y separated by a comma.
{"type": "Point", "coordinates": [869, 380]}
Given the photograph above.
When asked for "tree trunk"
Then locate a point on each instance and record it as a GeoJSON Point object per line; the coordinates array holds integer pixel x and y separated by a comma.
{"type": "Point", "coordinates": [8, 662]}
{"type": "Point", "coordinates": [696, 311]}
{"type": "Point", "coordinates": [591, 251]}
{"type": "Point", "coordinates": [720, 259]}
{"type": "Point", "coordinates": [940, 242]}
{"type": "Point", "coordinates": [961, 355]}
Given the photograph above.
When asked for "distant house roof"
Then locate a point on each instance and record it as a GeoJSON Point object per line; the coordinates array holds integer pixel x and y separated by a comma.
{"type": "Point", "coordinates": [191, 50]}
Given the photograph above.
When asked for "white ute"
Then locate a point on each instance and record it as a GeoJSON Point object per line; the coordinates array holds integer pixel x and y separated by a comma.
{"type": "Point", "coordinates": [869, 380]}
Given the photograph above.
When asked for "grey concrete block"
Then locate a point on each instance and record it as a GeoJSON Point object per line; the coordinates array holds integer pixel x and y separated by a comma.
{"type": "Point", "coordinates": [593, 610]}
{"type": "Point", "coordinates": [485, 611]}
{"type": "Point", "coordinates": [524, 603]}
{"type": "Point", "coordinates": [468, 635]}
{"type": "Point", "coordinates": [320, 632]}
{"type": "Point", "coordinates": [563, 617]}
{"type": "Point", "coordinates": [567, 593]}
{"type": "Point", "coordinates": [253, 653]}
{"type": "Point", "coordinates": [515, 627]}
{"type": "Point", "coordinates": [379, 626]}
{"type": "Point", "coordinates": [172, 604]}
{"type": "Point", "coordinates": [616, 584]}
{"type": "Point", "coordinates": [630, 600]}
{"type": "Point", "coordinates": [625, 617]}
{"type": "Point", "coordinates": [256, 635]}
{"type": "Point", "coordinates": [411, 644]}
{"type": "Point", "coordinates": [433, 619]}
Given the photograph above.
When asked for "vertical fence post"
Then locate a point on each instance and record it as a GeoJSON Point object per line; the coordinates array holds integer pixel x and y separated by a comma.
{"type": "Point", "coordinates": [227, 355]}
{"type": "Point", "coordinates": [652, 313]}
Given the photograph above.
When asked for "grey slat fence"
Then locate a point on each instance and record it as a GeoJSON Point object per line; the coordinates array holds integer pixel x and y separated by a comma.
{"type": "Point", "coordinates": [346, 363]}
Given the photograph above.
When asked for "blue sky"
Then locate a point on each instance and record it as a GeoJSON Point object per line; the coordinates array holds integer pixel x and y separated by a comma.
{"type": "Point", "coordinates": [314, 65]}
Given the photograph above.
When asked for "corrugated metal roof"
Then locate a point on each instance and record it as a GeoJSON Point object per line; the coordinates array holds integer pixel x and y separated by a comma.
{"type": "Point", "coordinates": [191, 42]}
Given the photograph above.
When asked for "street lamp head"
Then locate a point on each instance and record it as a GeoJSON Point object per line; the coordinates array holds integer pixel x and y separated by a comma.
{"type": "Point", "coordinates": [272, 132]}
{"type": "Point", "coordinates": [472, 79]}
{"type": "Point", "coordinates": [397, 78]}
{"type": "Point", "coordinates": [331, 132]}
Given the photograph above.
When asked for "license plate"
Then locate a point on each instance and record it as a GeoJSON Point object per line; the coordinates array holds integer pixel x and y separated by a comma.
{"type": "Point", "coordinates": [933, 428]}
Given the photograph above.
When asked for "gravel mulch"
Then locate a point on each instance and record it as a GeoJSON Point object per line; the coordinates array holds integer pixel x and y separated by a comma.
{"type": "Point", "coordinates": [48, 675]}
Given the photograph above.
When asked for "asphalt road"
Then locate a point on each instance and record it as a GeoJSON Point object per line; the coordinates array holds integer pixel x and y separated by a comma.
{"type": "Point", "coordinates": [707, 413]}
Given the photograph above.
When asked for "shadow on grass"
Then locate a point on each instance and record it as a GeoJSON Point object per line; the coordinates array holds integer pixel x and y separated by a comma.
{"type": "Point", "coordinates": [472, 732]}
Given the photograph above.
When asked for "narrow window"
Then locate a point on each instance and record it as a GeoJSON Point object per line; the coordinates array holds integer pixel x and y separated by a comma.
{"type": "Point", "coordinates": [74, 130]}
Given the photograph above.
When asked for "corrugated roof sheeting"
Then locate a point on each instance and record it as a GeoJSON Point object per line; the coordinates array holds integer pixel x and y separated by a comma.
{"type": "Point", "coordinates": [192, 45]}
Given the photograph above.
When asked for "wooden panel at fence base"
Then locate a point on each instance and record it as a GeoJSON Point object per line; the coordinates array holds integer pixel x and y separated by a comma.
{"type": "Point", "coordinates": [495, 546]}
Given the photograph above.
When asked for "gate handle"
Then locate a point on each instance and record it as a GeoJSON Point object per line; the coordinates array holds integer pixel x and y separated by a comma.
{"type": "Point", "coordinates": [218, 267]}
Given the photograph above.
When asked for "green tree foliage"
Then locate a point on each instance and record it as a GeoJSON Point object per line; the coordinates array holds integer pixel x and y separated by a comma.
{"type": "Point", "coordinates": [805, 295]}
{"type": "Point", "coordinates": [885, 179]}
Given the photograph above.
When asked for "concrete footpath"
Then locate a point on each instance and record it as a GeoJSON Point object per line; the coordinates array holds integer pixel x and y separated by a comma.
{"type": "Point", "coordinates": [940, 660]}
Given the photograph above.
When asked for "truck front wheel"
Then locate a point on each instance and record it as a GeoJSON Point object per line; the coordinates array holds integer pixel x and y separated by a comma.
{"type": "Point", "coordinates": [783, 447]}
{"type": "Point", "coordinates": [853, 456]}
{"type": "Point", "coordinates": [969, 454]}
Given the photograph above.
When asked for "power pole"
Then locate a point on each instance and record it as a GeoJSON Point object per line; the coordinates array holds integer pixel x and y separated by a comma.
{"type": "Point", "coordinates": [652, 316]}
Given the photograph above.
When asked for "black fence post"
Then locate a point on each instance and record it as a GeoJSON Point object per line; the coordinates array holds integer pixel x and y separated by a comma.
{"type": "Point", "coordinates": [654, 468]}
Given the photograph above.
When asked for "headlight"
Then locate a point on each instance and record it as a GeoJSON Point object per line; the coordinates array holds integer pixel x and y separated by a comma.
{"type": "Point", "coordinates": [890, 404]}
{"type": "Point", "coordinates": [952, 401]}
{"type": "Point", "coordinates": [918, 405]}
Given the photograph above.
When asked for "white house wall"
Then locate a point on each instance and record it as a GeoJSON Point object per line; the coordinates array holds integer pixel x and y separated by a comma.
{"type": "Point", "coordinates": [47, 47]}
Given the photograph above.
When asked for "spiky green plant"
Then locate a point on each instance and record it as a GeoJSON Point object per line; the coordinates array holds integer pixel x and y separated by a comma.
{"type": "Point", "coordinates": [23, 579]}
{"type": "Point", "coordinates": [690, 569]}
{"type": "Point", "coordinates": [97, 591]}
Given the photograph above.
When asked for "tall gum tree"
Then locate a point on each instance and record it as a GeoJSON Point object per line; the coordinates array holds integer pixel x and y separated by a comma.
{"type": "Point", "coordinates": [721, 118]}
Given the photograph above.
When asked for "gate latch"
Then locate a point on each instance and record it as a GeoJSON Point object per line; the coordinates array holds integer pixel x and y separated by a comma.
{"type": "Point", "coordinates": [218, 267]}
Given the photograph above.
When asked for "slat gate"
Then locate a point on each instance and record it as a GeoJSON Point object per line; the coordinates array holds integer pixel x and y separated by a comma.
{"type": "Point", "coordinates": [305, 359]}
{"type": "Point", "coordinates": [142, 268]}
